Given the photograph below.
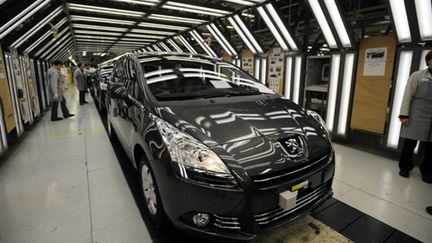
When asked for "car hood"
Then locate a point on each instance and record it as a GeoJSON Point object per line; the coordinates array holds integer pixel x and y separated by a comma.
{"type": "Point", "coordinates": [252, 131]}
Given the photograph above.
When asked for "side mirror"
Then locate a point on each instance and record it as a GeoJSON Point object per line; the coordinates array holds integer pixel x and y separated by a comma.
{"type": "Point", "coordinates": [117, 91]}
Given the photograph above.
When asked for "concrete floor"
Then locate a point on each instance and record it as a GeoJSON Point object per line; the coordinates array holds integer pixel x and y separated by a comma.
{"type": "Point", "coordinates": [63, 183]}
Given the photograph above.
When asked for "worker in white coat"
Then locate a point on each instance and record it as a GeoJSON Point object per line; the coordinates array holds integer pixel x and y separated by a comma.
{"type": "Point", "coordinates": [57, 86]}
{"type": "Point", "coordinates": [416, 118]}
{"type": "Point", "coordinates": [80, 80]}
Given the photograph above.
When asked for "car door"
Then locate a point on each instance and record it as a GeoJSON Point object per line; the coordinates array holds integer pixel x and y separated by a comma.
{"type": "Point", "coordinates": [136, 110]}
{"type": "Point", "coordinates": [118, 106]}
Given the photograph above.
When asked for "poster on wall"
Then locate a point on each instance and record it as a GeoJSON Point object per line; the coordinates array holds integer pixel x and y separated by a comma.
{"type": "Point", "coordinates": [19, 82]}
{"type": "Point", "coordinates": [375, 61]}
{"type": "Point", "coordinates": [247, 62]}
{"type": "Point", "coordinates": [5, 95]}
{"type": "Point", "coordinates": [276, 70]}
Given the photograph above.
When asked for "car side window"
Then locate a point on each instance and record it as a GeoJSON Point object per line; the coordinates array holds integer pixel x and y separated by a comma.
{"type": "Point", "coordinates": [134, 88]}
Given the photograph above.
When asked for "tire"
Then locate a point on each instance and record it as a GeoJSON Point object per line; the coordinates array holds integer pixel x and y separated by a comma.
{"type": "Point", "coordinates": [152, 200]}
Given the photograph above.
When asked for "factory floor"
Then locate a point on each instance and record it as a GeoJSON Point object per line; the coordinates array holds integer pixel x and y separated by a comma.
{"type": "Point", "coordinates": [67, 182]}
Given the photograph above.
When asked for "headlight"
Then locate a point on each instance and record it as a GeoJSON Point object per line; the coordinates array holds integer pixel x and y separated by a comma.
{"type": "Point", "coordinates": [319, 119]}
{"type": "Point", "coordinates": [194, 158]}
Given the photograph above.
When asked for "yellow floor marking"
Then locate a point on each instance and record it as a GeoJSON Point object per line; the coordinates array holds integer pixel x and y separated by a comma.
{"type": "Point", "coordinates": [75, 132]}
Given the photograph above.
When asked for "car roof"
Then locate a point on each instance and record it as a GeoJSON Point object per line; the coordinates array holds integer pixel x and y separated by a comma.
{"type": "Point", "coordinates": [141, 56]}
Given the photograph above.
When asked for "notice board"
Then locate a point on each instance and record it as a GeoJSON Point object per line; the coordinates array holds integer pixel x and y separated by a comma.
{"type": "Point", "coordinates": [373, 83]}
{"type": "Point", "coordinates": [5, 96]}
{"type": "Point", "coordinates": [275, 79]}
{"type": "Point", "coordinates": [248, 62]}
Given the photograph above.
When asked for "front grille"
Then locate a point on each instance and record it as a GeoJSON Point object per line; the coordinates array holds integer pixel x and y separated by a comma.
{"type": "Point", "coordinates": [226, 222]}
{"type": "Point", "coordinates": [278, 179]}
{"type": "Point", "coordinates": [276, 215]}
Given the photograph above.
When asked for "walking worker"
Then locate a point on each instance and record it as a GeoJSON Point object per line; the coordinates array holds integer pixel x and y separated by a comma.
{"type": "Point", "coordinates": [57, 86]}
{"type": "Point", "coordinates": [80, 81]}
{"type": "Point", "coordinates": [416, 118]}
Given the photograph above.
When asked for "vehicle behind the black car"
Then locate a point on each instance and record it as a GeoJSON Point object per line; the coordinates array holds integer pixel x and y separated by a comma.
{"type": "Point", "coordinates": [100, 84]}
{"type": "Point", "coordinates": [218, 153]}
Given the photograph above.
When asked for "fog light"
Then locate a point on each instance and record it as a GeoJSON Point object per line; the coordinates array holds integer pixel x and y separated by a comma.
{"type": "Point", "coordinates": [201, 219]}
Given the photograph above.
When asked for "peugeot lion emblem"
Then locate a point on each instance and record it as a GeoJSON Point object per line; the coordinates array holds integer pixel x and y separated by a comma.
{"type": "Point", "coordinates": [293, 147]}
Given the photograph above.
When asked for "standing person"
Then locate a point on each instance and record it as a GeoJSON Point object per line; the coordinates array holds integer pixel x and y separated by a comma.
{"type": "Point", "coordinates": [80, 80]}
{"type": "Point", "coordinates": [57, 86]}
{"type": "Point", "coordinates": [416, 118]}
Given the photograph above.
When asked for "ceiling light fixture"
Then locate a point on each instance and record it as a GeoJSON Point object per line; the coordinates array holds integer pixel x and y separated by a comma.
{"type": "Point", "coordinates": [36, 28]}
{"type": "Point", "coordinates": [400, 20]}
{"type": "Point", "coordinates": [338, 22]}
{"type": "Point", "coordinates": [322, 21]}
{"type": "Point", "coordinates": [21, 17]}
{"type": "Point", "coordinates": [202, 43]}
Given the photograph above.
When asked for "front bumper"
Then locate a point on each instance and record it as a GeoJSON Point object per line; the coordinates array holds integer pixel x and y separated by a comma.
{"type": "Point", "coordinates": [242, 214]}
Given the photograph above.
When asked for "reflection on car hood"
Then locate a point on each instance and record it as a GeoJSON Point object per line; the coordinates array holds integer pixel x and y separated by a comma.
{"type": "Point", "coordinates": [250, 131]}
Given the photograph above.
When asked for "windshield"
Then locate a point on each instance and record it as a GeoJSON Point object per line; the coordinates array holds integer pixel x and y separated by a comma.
{"type": "Point", "coordinates": [183, 78]}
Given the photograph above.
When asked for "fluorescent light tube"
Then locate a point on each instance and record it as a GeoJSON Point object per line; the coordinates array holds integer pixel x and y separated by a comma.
{"type": "Point", "coordinates": [95, 38]}
{"type": "Point", "coordinates": [322, 21]}
{"type": "Point", "coordinates": [337, 21]}
{"type": "Point", "coordinates": [36, 28]}
{"type": "Point", "coordinates": [424, 17]}
{"type": "Point", "coordinates": [162, 26]}
{"type": "Point", "coordinates": [140, 2]}
{"type": "Point", "coordinates": [333, 90]}
{"type": "Point", "coordinates": [297, 77]}
{"type": "Point", "coordinates": [242, 36]}
{"type": "Point", "coordinates": [51, 53]}
{"type": "Point", "coordinates": [400, 20]}
{"type": "Point", "coordinates": [272, 28]}
{"type": "Point", "coordinates": [224, 40]}
{"type": "Point", "coordinates": [403, 73]}
{"type": "Point", "coordinates": [281, 26]}
{"type": "Point", "coordinates": [155, 32]}
{"type": "Point", "coordinates": [241, 2]}
{"type": "Point", "coordinates": [90, 32]}
{"type": "Point", "coordinates": [98, 27]}
{"type": "Point", "coordinates": [176, 19]}
{"type": "Point", "coordinates": [257, 68]}
{"type": "Point", "coordinates": [422, 60]}
{"type": "Point", "coordinates": [219, 40]}
{"type": "Point", "coordinates": [288, 77]}
{"type": "Point", "coordinates": [101, 20]}
{"type": "Point", "coordinates": [156, 48]}
{"type": "Point", "coordinates": [248, 34]}
{"type": "Point", "coordinates": [44, 36]}
{"type": "Point", "coordinates": [202, 43]}
{"type": "Point", "coordinates": [173, 44]}
{"type": "Point", "coordinates": [186, 44]}
{"type": "Point", "coordinates": [264, 70]}
{"type": "Point", "coordinates": [21, 17]}
{"type": "Point", "coordinates": [60, 43]}
{"type": "Point", "coordinates": [195, 9]}
{"type": "Point", "coordinates": [164, 46]}
{"type": "Point", "coordinates": [346, 94]}
{"type": "Point", "coordinates": [111, 11]}
{"type": "Point", "coordinates": [53, 40]}
{"type": "Point", "coordinates": [157, 37]}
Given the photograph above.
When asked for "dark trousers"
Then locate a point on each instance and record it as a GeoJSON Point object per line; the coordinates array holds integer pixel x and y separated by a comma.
{"type": "Point", "coordinates": [406, 162]}
{"type": "Point", "coordinates": [54, 108]}
{"type": "Point", "coordinates": [82, 97]}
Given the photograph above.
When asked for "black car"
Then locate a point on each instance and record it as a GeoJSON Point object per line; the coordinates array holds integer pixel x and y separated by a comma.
{"type": "Point", "coordinates": [100, 83]}
{"type": "Point", "coordinates": [219, 153]}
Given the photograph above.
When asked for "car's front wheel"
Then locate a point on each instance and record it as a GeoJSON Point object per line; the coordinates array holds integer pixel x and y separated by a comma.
{"type": "Point", "coordinates": [153, 203]}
